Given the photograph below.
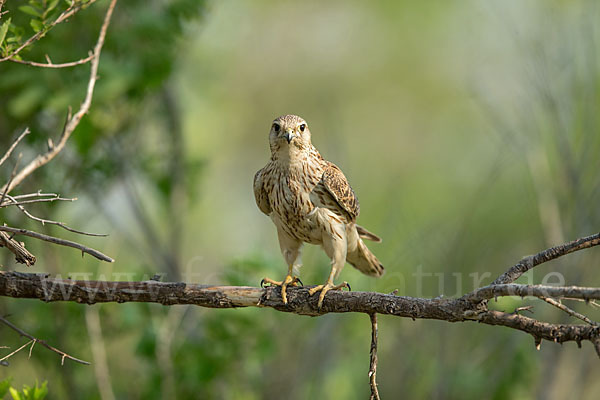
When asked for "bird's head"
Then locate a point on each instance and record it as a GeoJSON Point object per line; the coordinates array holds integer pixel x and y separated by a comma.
{"type": "Point", "coordinates": [289, 135]}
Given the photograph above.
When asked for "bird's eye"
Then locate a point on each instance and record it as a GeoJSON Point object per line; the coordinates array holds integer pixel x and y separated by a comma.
{"type": "Point", "coordinates": [302, 127]}
{"type": "Point", "coordinates": [276, 127]}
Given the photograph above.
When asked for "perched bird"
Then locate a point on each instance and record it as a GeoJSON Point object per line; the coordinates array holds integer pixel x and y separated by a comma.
{"type": "Point", "coordinates": [309, 200]}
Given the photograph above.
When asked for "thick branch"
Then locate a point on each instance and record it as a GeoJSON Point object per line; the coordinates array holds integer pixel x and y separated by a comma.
{"type": "Point", "coordinates": [43, 287]}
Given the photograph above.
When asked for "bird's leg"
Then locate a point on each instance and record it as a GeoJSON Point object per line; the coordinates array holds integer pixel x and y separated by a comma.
{"type": "Point", "coordinates": [329, 285]}
{"type": "Point", "coordinates": [336, 249]}
{"type": "Point", "coordinates": [290, 280]}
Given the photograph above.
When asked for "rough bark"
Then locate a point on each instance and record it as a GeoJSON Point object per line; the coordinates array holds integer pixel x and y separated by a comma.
{"type": "Point", "coordinates": [468, 308]}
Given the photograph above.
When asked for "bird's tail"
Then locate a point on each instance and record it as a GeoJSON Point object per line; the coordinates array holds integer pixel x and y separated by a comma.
{"type": "Point", "coordinates": [363, 259]}
{"type": "Point", "coordinates": [365, 234]}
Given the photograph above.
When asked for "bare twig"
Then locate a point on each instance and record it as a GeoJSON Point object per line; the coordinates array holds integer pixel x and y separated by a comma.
{"type": "Point", "coordinates": [47, 221]}
{"type": "Point", "coordinates": [72, 122]}
{"type": "Point", "coordinates": [39, 200]}
{"type": "Point", "coordinates": [568, 310]}
{"type": "Point", "coordinates": [590, 302]}
{"type": "Point", "coordinates": [73, 9]}
{"type": "Point", "coordinates": [50, 64]}
{"type": "Point", "coordinates": [55, 240]}
{"type": "Point", "coordinates": [547, 255]}
{"type": "Point", "coordinates": [12, 146]}
{"type": "Point", "coordinates": [12, 176]}
{"type": "Point", "coordinates": [37, 197]}
{"type": "Point", "coordinates": [6, 357]}
{"type": "Point", "coordinates": [36, 194]}
{"type": "Point", "coordinates": [43, 343]}
{"type": "Point", "coordinates": [373, 363]}
{"type": "Point", "coordinates": [22, 255]}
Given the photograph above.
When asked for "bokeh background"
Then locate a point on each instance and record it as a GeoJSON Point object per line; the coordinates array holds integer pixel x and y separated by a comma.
{"type": "Point", "coordinates": [469, 130]}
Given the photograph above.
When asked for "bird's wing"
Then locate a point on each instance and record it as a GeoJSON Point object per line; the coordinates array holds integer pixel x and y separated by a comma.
{"type": "Point", "coordinates": [337, 185]}
{"type": "Point", "coordinates": [262, 200]}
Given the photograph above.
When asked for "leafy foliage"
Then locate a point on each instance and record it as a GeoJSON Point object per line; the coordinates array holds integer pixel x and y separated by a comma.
{"type": "Point", "coordinates": [27, 393]}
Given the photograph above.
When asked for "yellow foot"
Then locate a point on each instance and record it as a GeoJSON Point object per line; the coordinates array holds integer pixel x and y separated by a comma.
{"type": "Point", "coordinates": [326, 288]}
{"type": "Point", "coordinates": [288, 281]}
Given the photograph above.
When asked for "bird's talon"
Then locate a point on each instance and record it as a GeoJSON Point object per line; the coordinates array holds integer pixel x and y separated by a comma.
{"type": "Point", "coordinates": [288, 281]}
{"type": "Point", "coordinates": [270, 282]}
{"type": "Point", "coordinates": [348, 286]}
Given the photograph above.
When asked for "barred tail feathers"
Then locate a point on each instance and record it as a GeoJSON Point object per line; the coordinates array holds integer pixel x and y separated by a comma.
{"type": "Point", "coordinates": [364, 260]}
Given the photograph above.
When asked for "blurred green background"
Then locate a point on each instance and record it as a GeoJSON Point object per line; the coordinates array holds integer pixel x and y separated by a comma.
{"type": "Point", "coordinates": [469, 130]}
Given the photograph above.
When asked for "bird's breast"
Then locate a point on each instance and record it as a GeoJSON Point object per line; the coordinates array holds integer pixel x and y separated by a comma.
{"type": "Point", "coordinates": [292, 200]}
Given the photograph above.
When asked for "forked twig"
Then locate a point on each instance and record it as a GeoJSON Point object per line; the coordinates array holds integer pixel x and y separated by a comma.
{"type": "Point", "coordinates": [55, 240]}
{"type": "Point", "coordinates": [47, 221]}
{"type": "Point", "coordinates": [6, 357]}
{"type": "Point", "coordinates": [43, 343]}
{"type": "Point", "coordinates": [50, 64]}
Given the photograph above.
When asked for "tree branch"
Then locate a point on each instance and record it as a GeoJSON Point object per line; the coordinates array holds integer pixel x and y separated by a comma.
{"type": "Point", "coordinates": [43, 287]}
{"type": "Point", "coordinates": [547, 255]}
{"type": "Point", "coordinates": [73, 9]}
{"type": "Point", "coordinates": [72, 121]}
{"type": "Point", "coordinates": [470, 307]}
{"type": "Point", "coordinates": [373, 363]}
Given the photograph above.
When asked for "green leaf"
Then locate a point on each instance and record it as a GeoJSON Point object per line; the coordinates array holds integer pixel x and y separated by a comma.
{"type": "Point", "coordinates": [4, 386]}
{"type": "Point", "coordinates": [15, 394]}
{"type": "Point", "coordinates": [3, 30]}
{"type": "Point", "coordinates": [36, 25]}
{"type": "Point", "coordinates": [40, 393]}
{"type": "Point", "coordinates": [30, 10]}
{"type": "Point", "coordinates": [51, 6]}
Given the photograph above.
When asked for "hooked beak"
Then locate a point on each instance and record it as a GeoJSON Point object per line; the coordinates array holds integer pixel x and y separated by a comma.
{"type": "Point", "coordinates": [289, 135]}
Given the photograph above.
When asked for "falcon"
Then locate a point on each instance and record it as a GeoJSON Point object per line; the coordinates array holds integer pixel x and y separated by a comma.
{"type": "Point", "coordinates": [310, 201]}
